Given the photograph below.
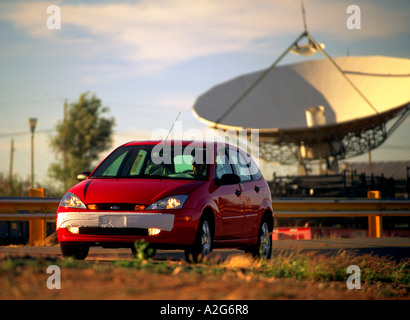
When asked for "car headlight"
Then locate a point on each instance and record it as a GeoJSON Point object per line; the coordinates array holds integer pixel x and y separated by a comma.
{"type": "Point", "coordinates": [173, 202]}
{"type": "Point", "coordinates": [70, 200]}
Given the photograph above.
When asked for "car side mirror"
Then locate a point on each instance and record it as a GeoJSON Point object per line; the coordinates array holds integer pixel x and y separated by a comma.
{"type": "Point", "coordinates": [83, 175]}
{"type": "Point", "coordinates": [228, 178]}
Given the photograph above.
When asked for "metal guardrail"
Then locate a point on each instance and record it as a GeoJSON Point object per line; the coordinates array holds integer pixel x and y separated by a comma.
{"type": "Point", "coordinates": [31, 207]}
{"type": "Point", "coordinates": [374, 209]}
{"type": "Point", "coordinates": [36, 210]}
{"type": "Point", "coordinates": [297, 208]}
{"type": "Point", "coordinates": [39, 210]}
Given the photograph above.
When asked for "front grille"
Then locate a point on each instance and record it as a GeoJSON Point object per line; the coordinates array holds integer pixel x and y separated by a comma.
{"type": "Point", "coordinates": [98, 231]}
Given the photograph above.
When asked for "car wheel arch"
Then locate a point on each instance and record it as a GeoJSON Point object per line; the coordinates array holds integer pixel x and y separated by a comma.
{"type": "Point", "coordinates": [268, 215]}
{"type": "Point", "coordinates": [209, 212]}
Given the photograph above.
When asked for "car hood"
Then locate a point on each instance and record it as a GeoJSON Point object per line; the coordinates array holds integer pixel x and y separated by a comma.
{"type": "Point", "coordinates": [144, 191]}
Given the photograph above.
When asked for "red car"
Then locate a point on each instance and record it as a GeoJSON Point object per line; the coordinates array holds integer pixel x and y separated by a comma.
{"type": "Point", "coordinates": [186, 195]}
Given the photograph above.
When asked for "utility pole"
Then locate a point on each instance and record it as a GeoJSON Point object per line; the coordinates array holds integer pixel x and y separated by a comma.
{"type": "Point", "coordinates": [11, 164]}
{"type": "Point", "coordinates": [32, 122]}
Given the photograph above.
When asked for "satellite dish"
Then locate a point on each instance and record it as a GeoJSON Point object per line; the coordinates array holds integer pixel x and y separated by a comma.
{"type": "Point", "coordinates": [344, 121]}
{"type": "Point", "coordinates": [306, 49]}
{"type": "Point", "coordinates": [311, 47]}
{"type": "Point", "coordinates": [280, 101]}
{"type": "Point", "coordinates": [319, 109]}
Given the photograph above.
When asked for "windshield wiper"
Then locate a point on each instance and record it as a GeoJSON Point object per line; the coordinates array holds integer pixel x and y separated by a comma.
{"type": "Point", "coordinates": [146, 176]}
{"type": "Point", "coordinates": [104, 177]}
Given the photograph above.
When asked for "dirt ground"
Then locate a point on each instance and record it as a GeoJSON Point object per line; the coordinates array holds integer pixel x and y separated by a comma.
{"type": "Point", "coordinates": [101, 279]}
{"type": "Point", "coordinates": [107, 282]}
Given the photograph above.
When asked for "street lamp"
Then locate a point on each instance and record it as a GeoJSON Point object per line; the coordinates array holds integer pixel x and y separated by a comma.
{"type": "Point", "coordinates": [32, 123]}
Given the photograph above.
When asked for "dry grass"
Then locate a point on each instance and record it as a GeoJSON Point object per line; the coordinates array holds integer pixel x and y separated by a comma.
{"type": "Point", "coordinates": [288, 275]}
{"type": "Point", "coordinates": [236, 262]}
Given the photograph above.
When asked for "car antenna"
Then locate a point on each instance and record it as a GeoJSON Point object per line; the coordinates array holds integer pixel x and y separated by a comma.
{"type": "Point", "coordinates": [172, 128]}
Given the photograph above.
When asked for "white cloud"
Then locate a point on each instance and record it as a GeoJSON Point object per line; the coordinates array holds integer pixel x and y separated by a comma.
{"type": "Point", "coordinates": [158, 34]}
{"type": "Point", "coordinates": [29, 16]}
{"type": "Point", "coordinates": [163, 33]}
{"type": "Point", "coordinates": [378, 18]}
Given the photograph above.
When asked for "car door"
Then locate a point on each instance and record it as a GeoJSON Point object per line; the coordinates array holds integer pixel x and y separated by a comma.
{"type": "Point", "coordinates": [229, 199]}
{"type": "Point", "coordinates": [251, 192]}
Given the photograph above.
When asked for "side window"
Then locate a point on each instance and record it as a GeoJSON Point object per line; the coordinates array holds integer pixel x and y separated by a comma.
{"type": "Point", "coordinates": [222, 165]}
{"type": "Point", "coordinates": [241, 165]}
{"type": "Point", "coordinates": [255, 172]}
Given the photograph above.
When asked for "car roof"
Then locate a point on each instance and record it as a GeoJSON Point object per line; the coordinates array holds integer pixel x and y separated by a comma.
{"type": "Point", "coordinates": [194, 143]}
{"type": "Point", "coordinates": [168, 142]}
{"type": "Point", "coordinates": [154, 142]}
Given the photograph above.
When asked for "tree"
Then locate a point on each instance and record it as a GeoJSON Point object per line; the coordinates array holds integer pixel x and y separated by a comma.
{"type": "Point", "coordinates": [81, 137]}
{"type": "Point", "coordinates": [14, 187]}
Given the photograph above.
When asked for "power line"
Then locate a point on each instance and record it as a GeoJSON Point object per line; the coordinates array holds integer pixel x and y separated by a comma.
{"type": "Point", "coordinates": [108, 103]}
{"type": "Point", "coordinates": [135, 105]}
{"type": "Point", "coordinates": [29, 101]}
{"type": "Point", "coordinates": [12, 134]}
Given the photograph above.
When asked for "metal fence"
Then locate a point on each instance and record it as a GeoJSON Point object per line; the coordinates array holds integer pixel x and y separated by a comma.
{"type": "Point", "coordinates": [38, 211]}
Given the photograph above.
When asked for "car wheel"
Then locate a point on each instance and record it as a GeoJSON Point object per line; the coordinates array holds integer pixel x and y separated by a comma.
{"type": "Point", "coordinates": [263, 248]}
{"type": "Point", "coordinates": [203, 244]}
{"type": "Point", "coordinates": [265, 241]}
{"type": "Point", "coordinates": [76, 251]}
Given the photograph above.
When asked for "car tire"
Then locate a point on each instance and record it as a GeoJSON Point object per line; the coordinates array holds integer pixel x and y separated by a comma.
{"type": "Point", "coordinates": [263, 247]}
{"type": "Point", "coordinates": [203, 244]}
{"type": "Point", "coordinates": [76, 251]}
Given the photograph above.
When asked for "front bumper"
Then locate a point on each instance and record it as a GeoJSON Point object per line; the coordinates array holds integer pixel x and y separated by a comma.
{"type": "Point", "coordinates": [125, 227]}
{"type": "Point", "coordinates": [115, 220]}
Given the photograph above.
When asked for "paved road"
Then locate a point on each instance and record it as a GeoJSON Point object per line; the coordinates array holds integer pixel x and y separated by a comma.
{"type": "Point", "coordinates": [397, 248]}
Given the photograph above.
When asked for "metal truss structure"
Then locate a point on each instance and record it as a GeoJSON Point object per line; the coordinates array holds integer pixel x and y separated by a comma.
{"type": "Point", "coordinates": [335, 142]}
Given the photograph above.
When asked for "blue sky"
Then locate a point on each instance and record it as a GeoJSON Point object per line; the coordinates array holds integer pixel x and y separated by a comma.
{"type": "Point", "coordinates": [149, 60]}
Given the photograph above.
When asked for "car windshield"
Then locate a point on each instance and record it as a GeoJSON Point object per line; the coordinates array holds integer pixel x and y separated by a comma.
{"type": "Point", "coordinates": [155, 162]}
